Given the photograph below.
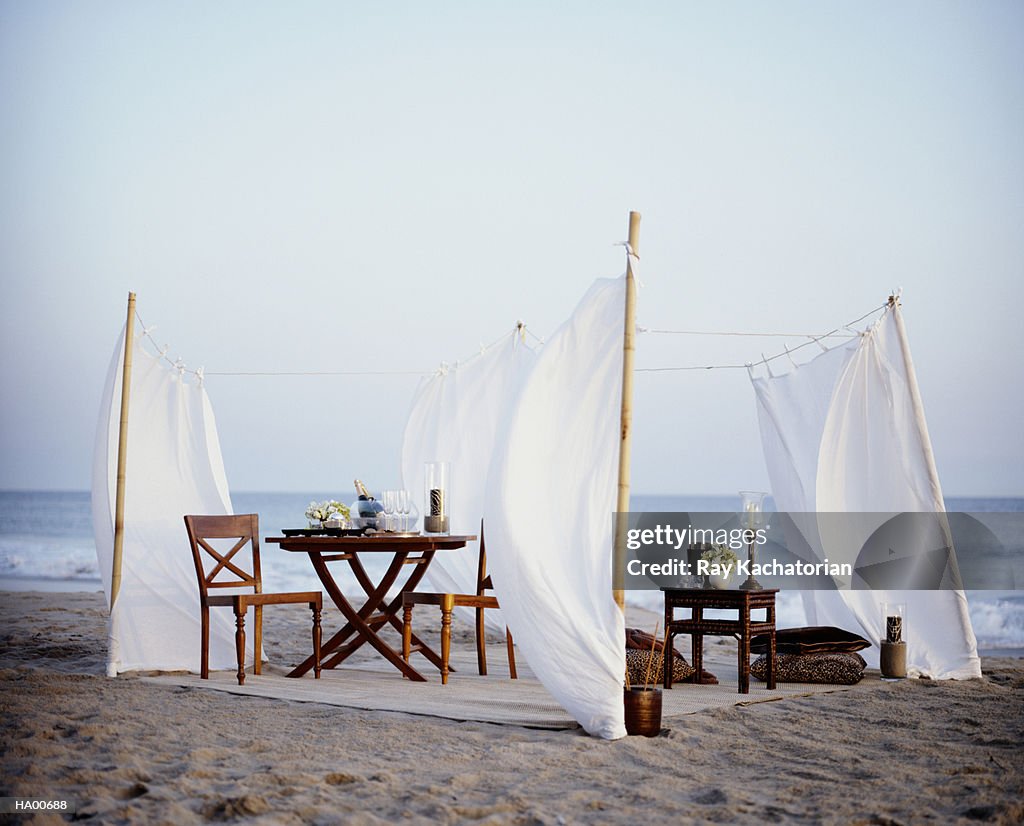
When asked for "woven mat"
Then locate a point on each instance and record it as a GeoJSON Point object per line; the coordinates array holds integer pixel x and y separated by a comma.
{"type": "Point", "coordinates": [376, 686]}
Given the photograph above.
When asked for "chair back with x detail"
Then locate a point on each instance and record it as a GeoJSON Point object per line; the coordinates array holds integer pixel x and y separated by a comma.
{"type": "Point", "coordinates": [244, 528]}
{"type": "Point", "coordinates": [217, 568]}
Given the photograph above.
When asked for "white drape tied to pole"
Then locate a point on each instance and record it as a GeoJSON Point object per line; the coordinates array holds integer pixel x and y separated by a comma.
{"type": "Point", "coordinates": [174, 467]}
{"type": "Point", "coordinates": [845, 433]}
{"type": "Point", "coordinates": [455, 417]}
{"type": "Point", "coordinates": [534, 444]}
{"type": "Point", "coordinates": [549, 513]}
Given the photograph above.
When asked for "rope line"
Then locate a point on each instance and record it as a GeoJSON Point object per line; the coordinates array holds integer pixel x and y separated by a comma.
{"type": "Point", "coordinates": [751, 335]}
{"type": "Point", "coordinates": [316, 373]}
{"type": "Point", "coordinates": [787, 352]}
{"type": "Point", "coordinates": [177, 364]}
{"type": "Point", "coordinates": [522, 330]}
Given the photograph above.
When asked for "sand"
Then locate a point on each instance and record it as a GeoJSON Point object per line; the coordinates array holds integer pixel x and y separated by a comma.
{"type": "Point", "coordinates": [130, 751]}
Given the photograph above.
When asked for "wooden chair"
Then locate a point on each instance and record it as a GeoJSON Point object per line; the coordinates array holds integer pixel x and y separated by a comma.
{"type": "Point", "coordinates": [245, 529]}
{"type": "Point", "coordinates": [447, 602]}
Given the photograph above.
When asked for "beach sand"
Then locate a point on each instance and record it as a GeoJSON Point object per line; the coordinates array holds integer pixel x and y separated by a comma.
{"type": "Point", "coordinates": [130, 751]}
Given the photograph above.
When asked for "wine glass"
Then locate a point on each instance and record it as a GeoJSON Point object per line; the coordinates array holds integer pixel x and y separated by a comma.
{"type": "Point", "coordinates": [390, 506]}
{"type": "Point", "coordinates": [402, 507]}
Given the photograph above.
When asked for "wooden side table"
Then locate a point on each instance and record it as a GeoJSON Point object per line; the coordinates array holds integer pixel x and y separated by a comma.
{"type": "Point", "coordinates": [742, 628]}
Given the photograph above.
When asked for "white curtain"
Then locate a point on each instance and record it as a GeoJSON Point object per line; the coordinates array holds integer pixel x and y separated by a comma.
{"type": "Point", "coordinates": [455, 417]}
{"type": "Point", "coordinates": [534, 445]}
{"type": "Point", "coordinates": [841, 434]}
{"type": "Point", "coordinates": [549, 513]}
{"type": "Point", "coordinates": [174, 467]}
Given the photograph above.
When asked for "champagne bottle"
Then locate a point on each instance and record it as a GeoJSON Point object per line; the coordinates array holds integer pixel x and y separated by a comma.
{"type": "Point", "coordinates": [367, 506]}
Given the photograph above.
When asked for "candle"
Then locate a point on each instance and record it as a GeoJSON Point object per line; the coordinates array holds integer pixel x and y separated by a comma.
{"type": "Point", "coordinates": [894, 629]}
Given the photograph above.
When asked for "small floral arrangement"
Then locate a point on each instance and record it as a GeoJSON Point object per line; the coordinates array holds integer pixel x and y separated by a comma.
{"type": "Point", "coordinates": [322, 511]}
{"type": "Point", "coordinates": [721, 555]}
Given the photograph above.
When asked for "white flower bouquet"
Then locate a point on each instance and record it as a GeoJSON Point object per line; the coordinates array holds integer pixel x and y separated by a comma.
{"type": "Point", "coordinates": [319, 512]}
{"type": "Point", "coordinates": [720, 554]}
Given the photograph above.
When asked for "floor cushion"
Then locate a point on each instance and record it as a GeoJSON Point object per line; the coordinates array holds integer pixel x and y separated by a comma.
{"type": "Point", "coordinates": [831, 668]}
{"type": "Point", "coordinates": [816, 639]}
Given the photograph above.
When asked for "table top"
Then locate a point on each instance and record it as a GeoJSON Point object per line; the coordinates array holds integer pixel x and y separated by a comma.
{"type": "Point", "coordinates": [719, 597]}
{"type": "Point", "coordinates": [726, 591]}
{"type": "Point", "coordinates": [372, 543]}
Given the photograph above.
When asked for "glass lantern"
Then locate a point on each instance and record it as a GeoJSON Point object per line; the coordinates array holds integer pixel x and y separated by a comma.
{"type": "Point", "coordinates": [437, 497]}
{"type": "Point", "coordinates": [752, 519]}
{"type": "Point", "coordinates": [893, 660]}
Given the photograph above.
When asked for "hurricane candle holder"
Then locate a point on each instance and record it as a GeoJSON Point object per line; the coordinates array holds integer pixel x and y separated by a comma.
{"type": "Point", "coordinates": [437, 496]}
{"type": "Point", "coordinates": [751, 520]}
{"type": "Point", "coordinates": [893, 659]}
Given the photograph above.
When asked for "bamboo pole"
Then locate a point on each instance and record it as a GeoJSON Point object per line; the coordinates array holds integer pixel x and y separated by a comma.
{"type": "Point", "coordinates": [926, 442]}
{"type": "Point", "coordinates": [918, 405]}
{"type": "Point", "coordinates": [626, 414]}
{"type": "Point", "coordinates": [122, 452]}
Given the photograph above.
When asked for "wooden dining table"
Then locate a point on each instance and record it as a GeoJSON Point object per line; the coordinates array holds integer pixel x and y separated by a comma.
{"type": "Point", "coordinates": [364, 624]}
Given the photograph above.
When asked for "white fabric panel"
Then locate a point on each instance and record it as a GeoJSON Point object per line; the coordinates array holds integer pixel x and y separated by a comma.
{"type": "Point", "coordinates": [789, 407]}
{"type": "Point", "coordinates": [840, 435]}
{"type": "Point", "coordinates": [104, 477]}
{"type": "Point", "coordinates": [791, 411]}
{"type": "Point", "coordinates": [549, 514]}
{"type": "Point", "coordinates": [455, 417]}
{"type": "Point", "coordinates": [174, 467]}
{"type": "Point", "coordinates": [872, 426]}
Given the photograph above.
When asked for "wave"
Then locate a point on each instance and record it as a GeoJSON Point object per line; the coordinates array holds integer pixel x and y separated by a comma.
{"type": "Point", "coordinates": [998, 622]}
{"type": "Point", "coordinates": [38, 558]}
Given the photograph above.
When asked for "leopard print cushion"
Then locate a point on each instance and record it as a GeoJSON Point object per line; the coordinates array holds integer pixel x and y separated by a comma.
{"type": "Point", "coordinates": [834, 668]}
{"type": "Point", "coordinates": [636, 667]}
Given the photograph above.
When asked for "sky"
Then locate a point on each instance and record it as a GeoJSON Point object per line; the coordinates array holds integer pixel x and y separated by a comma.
{"type": "Point", "coordinates": [385, 187]}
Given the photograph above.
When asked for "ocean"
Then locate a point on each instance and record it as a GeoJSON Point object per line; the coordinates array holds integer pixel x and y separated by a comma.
{"type": "Point", "coordinates": [46, 543]}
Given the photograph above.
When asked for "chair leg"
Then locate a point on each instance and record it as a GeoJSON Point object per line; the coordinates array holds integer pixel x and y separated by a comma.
{"type": "Point", "coordinates": [240, 644]}
{"type": "Point", "coordinates": [257, 641]}
{"type": "Point", "coordinates": [204, 650]}
{"type": "Point", "coordinates": [511, 654]}
{"type": "Point", "coordinates": [446, 635]}
{"type": "Point", "coordinates": [481, 643]}
{"type": "Point", "coordinates": [317, 639]}
{"type": "Point", "coordinates": [406, 631]}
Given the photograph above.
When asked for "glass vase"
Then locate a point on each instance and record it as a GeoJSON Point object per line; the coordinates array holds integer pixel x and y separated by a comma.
{"type": "Point", "coordinates": [437, 497]}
